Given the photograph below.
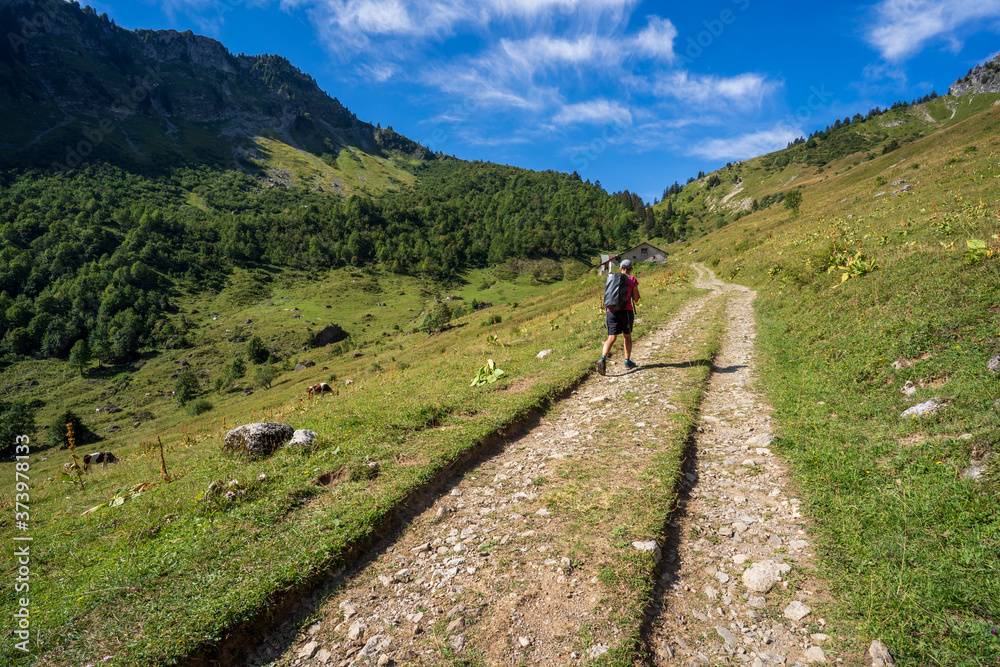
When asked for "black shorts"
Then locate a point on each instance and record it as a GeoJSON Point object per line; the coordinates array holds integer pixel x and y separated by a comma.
{"type": "Point", "coordinates": [620, 322]}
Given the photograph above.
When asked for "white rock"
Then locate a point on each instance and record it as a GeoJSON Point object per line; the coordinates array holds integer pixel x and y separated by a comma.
{"type": "Point", "coordinates": [761, 440]}
{"type": "Point", "coordinates": [543, 354]}
{"type": "Point", "coordinates": [727, 636]}
{"type": "Point", "coordinates": [596, 650]}
{"type": "Point", "coordinates": [797, 545]}
{"type": "Point", "coordinates": [819, 637]}
{"type": "Point", "coordinates": [814, 654]}
{"type": "Point", "coordinates": [796, 611]}
{"type": "Point", "coordinates": [923, 409]}
{"type": "Point", "coordinates": [760, 577]}
{"type": "Point", "coordinates": [880, 655]}
{"type": "Point", "coordinates": [739, 559]}
{"type": "Point", "coordinates": [993, 365]}
{"type": "Point", "coordinates": [309, 650]}
{"type": "Point", "coordinates": [650, 546]}
{"type": "Point", "coordinates": [543, 512]}
{"type": "Point", "coordinates": [457, 643]}
{"type": "Point", "coordinates": [375, 645]}
{"type": "Point", "coordinates": [524, 641]}
{"type": "Point", "coordinates": [356, 631]}
{"type": "Point", "coordinates": [303, 437]}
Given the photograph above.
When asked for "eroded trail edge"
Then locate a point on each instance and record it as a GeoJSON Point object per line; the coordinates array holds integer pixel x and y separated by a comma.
{"type": "Point", "coordinates": [737, 583]}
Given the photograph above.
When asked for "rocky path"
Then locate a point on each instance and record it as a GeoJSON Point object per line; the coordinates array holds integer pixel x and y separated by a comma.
{"type": "Point", "coordinates": [509, 566]}
{"type": "Point", "coordinates": [737, 587]}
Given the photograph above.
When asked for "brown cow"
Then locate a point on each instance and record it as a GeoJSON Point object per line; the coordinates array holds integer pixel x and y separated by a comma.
{"type": "Point", "coordinates": [320, 388]}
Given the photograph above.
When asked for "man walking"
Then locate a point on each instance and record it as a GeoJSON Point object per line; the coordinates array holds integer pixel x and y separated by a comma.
{"type": "Point", "coordinates": [619, 321]}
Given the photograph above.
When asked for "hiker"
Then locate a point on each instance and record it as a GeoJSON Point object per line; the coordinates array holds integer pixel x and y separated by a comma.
{"type": "Point", "coordinates": [619, 321]}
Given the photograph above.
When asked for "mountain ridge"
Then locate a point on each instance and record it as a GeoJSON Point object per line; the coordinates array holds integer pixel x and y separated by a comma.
{"type": "Point", "coordinates": [78, 87]}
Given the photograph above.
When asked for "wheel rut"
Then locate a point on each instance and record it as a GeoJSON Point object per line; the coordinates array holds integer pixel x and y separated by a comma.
{"type": "Point", "coordinates": [738, 586]}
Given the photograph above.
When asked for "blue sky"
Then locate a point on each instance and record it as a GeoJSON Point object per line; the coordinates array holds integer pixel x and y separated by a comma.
{"type": "Point", "coordinates": [633, 94]}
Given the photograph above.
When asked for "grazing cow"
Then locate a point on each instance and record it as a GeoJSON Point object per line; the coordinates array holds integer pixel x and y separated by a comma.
{"type": "Point", "coordinates": [104, 458]}
{"type": "Point", "coordinates": [320, 388]}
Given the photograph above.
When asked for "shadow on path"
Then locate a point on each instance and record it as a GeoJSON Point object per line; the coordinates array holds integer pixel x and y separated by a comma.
{"type": "Point", "coordinates": [681, 364]}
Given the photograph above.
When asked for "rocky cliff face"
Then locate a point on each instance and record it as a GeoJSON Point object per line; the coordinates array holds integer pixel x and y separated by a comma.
{"type": "Point", "coordinates": [983, 78]}
{"type": "Point", "coordinates": [73, 82]}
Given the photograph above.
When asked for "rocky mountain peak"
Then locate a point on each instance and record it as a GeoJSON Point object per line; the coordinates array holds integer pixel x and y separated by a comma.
{"type": "Point", "coordinates": [983, 78]}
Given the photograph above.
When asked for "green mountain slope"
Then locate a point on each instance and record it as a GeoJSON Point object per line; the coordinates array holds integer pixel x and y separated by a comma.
{"type": "Point", "coordinates": [78, 89]}
{"type": "Point", "coordinates": [716, 199]}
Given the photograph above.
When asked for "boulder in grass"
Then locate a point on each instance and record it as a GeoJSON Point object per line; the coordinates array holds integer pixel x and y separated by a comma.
{"type": "Point", "coordinates": [260, 439]}
{"type": "Point", "coordinates": [923, 409]}
{"type": "Point", "coordinates": [331, 333]}
{"type": "Point", "coordinates": [993, 365]}
{"type": "Point", "coordinates": [303, 437]}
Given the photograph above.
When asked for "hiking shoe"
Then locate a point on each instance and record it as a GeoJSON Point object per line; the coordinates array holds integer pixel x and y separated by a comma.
{"type": "Point", "coordinates": [629, 364]}
{"type": "Point", "coordinates": [602, 366]}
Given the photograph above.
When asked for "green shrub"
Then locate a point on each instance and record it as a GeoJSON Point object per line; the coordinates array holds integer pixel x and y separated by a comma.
{"type": "Point", "coordinates": [264, 376]}
{"type": "Point", "coordinates": [186, 387]}
{"type": "Point", "coordinates": [56, 436]}
{"type": "Point", "coordinates": [436, 318]}
{"type": "Point", "coordinates": [256, 352]}
{"type": "Point", "coordinates": [198, 407]}
{"type": "Point", "coordinates": [238, 368]}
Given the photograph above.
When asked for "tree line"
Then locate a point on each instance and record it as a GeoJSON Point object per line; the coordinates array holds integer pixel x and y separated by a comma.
{"type": "Point", "coordinates": [97, 254]}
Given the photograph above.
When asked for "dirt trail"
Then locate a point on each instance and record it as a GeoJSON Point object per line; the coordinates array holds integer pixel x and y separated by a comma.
{"type": "Point", "coordinates": [505, 568]}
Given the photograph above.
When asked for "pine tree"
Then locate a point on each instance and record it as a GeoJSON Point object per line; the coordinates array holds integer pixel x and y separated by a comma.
{"type": "Point", "coordinates": [80, 355]}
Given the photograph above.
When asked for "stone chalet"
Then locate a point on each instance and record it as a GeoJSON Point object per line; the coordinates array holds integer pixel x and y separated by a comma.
{"type": "Point", "coordinates": [644, 252]}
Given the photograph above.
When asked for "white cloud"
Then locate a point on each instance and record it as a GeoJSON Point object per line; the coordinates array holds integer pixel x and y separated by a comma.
{"type": "Point", "coordinates": [748, 145]}
{"type": "Point", "coordinates": [596, 112]}
{"type": "Point", "coordinates": [657, 39]}
{"type": "Point", "coordinates": [903, 27]}
{"type": "Point", "coordinates": [357, 19]}
{"type": "Point", "coordinates": [744, 90]}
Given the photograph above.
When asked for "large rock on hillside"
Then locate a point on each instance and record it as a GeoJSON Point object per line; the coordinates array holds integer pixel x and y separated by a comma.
{"type": "Point", "coordinates": [981, 79]}
{"type": "Point", "coordinates": [260, 439]}
{"type": "Point", "coordinates": [331, 333]}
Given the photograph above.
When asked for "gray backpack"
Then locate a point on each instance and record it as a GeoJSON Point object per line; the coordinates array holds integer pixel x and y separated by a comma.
{"type": "Point", "coordinates": [616, 291]}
